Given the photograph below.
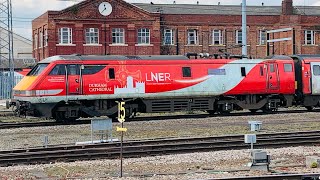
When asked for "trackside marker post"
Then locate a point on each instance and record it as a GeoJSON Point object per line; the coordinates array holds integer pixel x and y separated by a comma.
{"type": "Point", "coordinates": [121, 119]}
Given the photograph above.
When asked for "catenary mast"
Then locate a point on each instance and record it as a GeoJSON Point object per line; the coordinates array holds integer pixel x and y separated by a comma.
{"type": "Point", "coordinates": [6, 49]}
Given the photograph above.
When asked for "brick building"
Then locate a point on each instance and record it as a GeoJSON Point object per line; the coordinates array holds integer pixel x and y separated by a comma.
{"type": "Point", "coordinates": [117, 27]}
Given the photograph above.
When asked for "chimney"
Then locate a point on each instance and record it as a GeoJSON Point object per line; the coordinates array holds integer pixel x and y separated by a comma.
{"type": "Point", "coordinates": [287, 7]}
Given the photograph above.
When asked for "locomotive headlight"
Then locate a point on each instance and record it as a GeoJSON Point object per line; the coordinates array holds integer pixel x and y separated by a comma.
{"type": "Point", "coordinates": [30, 93]}
{"type": "Point", "coordinates": [24, 93]}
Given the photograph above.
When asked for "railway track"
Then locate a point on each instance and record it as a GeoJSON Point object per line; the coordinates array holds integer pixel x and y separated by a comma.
{"type": "Point", "coordinates": [276, 177]}
{"type": "Point", "coordinates": [149, 118]}
{"type": "Point", "coordinates": [139, 148]}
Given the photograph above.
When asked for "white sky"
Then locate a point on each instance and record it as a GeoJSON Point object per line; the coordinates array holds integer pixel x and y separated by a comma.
{"type": "Point", "coordinates": [24, 11]}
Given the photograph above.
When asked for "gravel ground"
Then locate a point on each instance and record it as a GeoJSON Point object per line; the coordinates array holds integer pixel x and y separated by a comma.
{"type": "Point", "coordinates": [184, 166]}
{"type": "Point", "coordinates": [33, 136]}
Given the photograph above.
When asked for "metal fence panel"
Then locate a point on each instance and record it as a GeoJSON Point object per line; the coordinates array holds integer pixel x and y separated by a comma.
{"type": "Point", "coordinates": [5, 81]}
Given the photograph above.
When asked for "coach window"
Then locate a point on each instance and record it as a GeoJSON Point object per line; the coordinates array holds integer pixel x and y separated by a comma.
{"type": "Point", "coordinates": [261, 71]}
{"type": "Point", "coordinates": [92, 69]}
{"type": "Point", "coordinates": [271, 68]}
{"type": "Point", "coordinates": [316, 70]}
{"type": "Point", "coordinates": [111, 73]}
{"type": "Point", "coordinates": [243, 71]}
{"type": "Point", "coordinates": [58, 70]}
{"type": "Point", "coordinates": [186, 71]}
{"type": "Point", "coordinates": [288, 68]}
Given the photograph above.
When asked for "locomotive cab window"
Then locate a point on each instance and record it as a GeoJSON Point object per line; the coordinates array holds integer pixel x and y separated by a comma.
{"type": "Point", "coordinates": [288, 68]}
{"type": "Point", "coordinates": [243, 71]}
{"type": "Point", "coordinates": [58, 70]}
{"type": "Point", "coordinates": [316, 70]}
{"type": "Point", "coordinates": [92, 69]}
{"type": "Point", "coordinates": [37, 69]}
{"type": "Point", "coordinates": [73, 69]}
{"type": "Point", "coordinates": [111, 73]}
{"type": "Point", "coordinates": [186, 71]}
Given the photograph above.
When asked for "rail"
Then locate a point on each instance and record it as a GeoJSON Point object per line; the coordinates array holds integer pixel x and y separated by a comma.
{"type": "Point", "coordinates": [140, 148]}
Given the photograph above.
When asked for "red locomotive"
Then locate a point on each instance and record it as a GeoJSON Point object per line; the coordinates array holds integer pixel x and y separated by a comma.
{"type": "Point", "coordinates": [72, 86]}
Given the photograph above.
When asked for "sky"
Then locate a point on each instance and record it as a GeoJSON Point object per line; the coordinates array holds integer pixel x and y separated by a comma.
{"type": "Point", "coordinates": [24, 11]}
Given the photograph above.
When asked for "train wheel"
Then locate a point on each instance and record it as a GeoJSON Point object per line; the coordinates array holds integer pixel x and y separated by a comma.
{"type": "Point", "coordinates": [309, 108]}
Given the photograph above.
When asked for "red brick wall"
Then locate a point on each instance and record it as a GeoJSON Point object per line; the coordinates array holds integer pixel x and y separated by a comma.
{"type": "Point", "coordinates": [131, 19]}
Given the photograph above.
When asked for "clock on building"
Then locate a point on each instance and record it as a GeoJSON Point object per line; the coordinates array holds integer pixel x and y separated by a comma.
{"type": "Point", "coordinates": [105, 8]}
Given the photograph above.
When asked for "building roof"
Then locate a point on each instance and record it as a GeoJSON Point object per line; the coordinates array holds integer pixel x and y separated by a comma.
{"type": "Point", "coordinates": [308, 10]}
{"type": "Point", "coordinates": [224, 9]}
{"type": "Point", "coordinates": [19, 63]}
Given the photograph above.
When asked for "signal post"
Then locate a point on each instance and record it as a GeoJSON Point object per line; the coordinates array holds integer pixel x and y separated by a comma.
{"type": "Point", "coordinates": [121, 119]}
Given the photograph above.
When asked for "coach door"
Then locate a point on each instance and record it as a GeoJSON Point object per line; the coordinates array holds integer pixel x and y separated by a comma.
{"type": "Point", "coordinates": [272, 77]}
{"type": "Point", "coordinates": [74, 80]}
{"type": "Point", "coordinates": [315, 78]}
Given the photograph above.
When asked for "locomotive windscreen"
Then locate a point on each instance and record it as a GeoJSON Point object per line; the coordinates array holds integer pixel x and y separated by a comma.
{"type": "Point", "coordinates": [37, 69]}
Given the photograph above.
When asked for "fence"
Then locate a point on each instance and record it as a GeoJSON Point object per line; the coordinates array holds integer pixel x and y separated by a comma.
{"type": "Point", "coordinates": [5, 90]}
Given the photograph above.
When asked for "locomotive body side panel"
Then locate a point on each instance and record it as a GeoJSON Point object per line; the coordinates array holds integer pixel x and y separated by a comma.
{"type": "Point", "coordinates": [286, 77]}
{"type": "Point", "coordinates": [306, 78]}
{"type": "Point", "coordinates": [69, 88]}
{"type": "Point", "coordinates": [309, 74]}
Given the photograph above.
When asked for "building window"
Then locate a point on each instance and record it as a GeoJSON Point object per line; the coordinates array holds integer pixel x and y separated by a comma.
{"type": "Point", "coordinates": [239, 37]}
{"type": "Point", "coordinates": [144, 36]}
{"type": "Point", "coordinates": [65, 36]}
{"type": "Point", "coordinates": [117, 36]}
{"type": "Point", "coordinates": [40, 40]}
{"type": "Point", "coordinates": [309, 37]}
{"type": "Point", "coordinates": [35, 41]}
{"type": "Point", "coordinates": [45, 37]}
{"type": "Point", "coordinates": [262, 37]}
{"type": "Point", "coordinates": [217, 37]}
{"type": "Point", "coordinates": [192, 36]}
{"type": "Point", "coordinates": [168, 36]}
{"type": "Point", "coordinates": [92, 36]}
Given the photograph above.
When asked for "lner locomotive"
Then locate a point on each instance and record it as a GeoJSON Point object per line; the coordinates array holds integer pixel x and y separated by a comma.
{"type": "Point", "coordinates": [67, 87]}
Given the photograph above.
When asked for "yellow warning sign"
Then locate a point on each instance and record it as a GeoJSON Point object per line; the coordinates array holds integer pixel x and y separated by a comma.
{"type": "Point", "coordinates": [121, 112]}
{"type": "Point", "coordinates": [122, 129]}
